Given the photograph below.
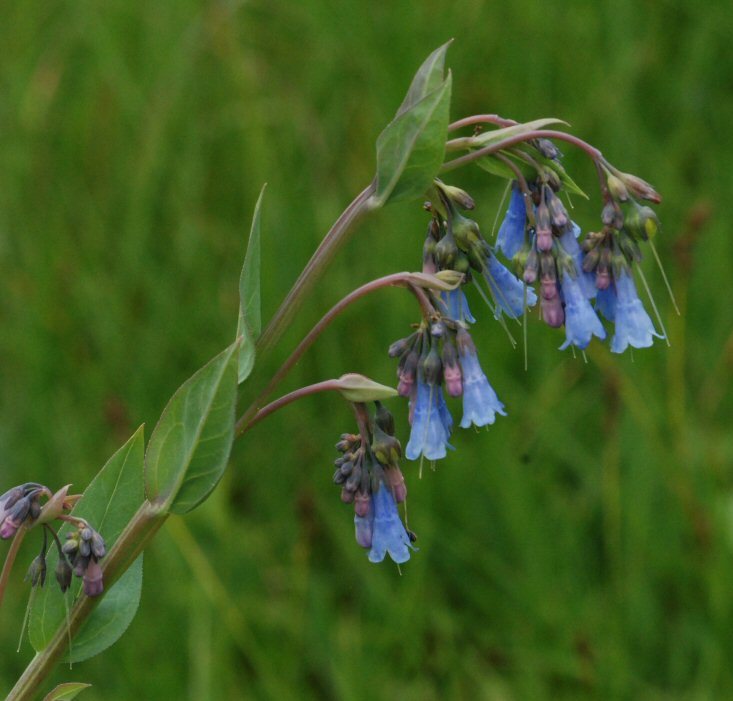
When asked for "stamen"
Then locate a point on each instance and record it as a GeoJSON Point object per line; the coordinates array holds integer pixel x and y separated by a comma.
{"type": "Point", "coordinates": [664, 276]}
{"type": "Point", "coordinates": [654, 306]}
{"type": "Point", "coordinates": [500, 207]}
{"type": "Point", "coordinates": [524, 326]}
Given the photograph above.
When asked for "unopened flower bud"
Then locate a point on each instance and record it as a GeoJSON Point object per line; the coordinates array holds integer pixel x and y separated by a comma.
{"type": "Point", "coordinates": [63, 574]}
{"type": "Point", "coordinates": [617, 188]}
{"type": "Point", "coordinates": [432, 366]}
{"type": "Point", "coordinates": [640, 188]}
{"type": "Point", "coordinates": [558, 213]}
{"type": "Point", "coordinates": [93, 579]}
{"type": "Point", "coordinates": [460, 197]}
{"type": "Point", "coordinates": [99, 549]}
{"type": "Point", "coordinates": [548, 149]}
{"type": "Point", "coordinates": [347, 496]}
{"type": "Point", "coordinates": [452, 371]}
{"type": "Point", "coordinates": [386, 448]}
{"type": "Point", "coordinates": [362, 502]}
{"type": "Point", "coordinates": [466, 232]}
{"type": "Point", "coordinates": [445, 252]}
{"type": "Point", "coordinates": [407, 373]}
{"type": "Point", "coordinates": [36, 574]}
{"type": "Point", "coordinates": [396, 483]}
{"type": "Point", "coordinates": [548, 288]}
{"type": "Point", "coordinates": [552, 311]}
{"type": "Point", "coordinates": [531, 266]}
{"type": "Point", "coordinates": [400, 347]}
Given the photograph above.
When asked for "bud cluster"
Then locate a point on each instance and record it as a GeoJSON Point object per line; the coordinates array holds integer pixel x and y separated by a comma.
{"type": "Point", "coordinates": [80, 554]}
{"type": "Point", "coordinates": [370, 478]}
{"type": "Point", "coordinates": [84, 548]}
{"type": "Point", "coordinates": [19, 505]}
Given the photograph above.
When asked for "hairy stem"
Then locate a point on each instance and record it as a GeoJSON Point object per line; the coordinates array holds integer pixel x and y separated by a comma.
{"type": "Point", "coordinates": [138, 532]}
{"type": "Point", "coordinates": [325, 252]}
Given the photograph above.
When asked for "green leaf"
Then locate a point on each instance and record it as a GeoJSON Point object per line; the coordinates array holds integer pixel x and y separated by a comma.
{"type": "Point", "coordinates": [66, 692]}
{"type": "Point", "coordinates": [428, 78]}
{"type": "Point", "coordinates": [249, 325]}
{"type": "Point", "coordinates": [189, 449]}
{"type": "Point", "coordinates": [410, 150]}
{"type": "Point", "coordinates": [108, 503]}
{"type": "Point", "coordinates": [569, 184]}
{"type": "Point", "coordinates": [496, 167]}
{"type": "Point", "coordinates": [494, 136]}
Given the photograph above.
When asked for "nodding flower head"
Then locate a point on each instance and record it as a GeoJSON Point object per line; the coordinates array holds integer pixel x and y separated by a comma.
{"type": "Point", "coordinates": [371, 479]}
{"type": "Point", "coordinates": [508, 291]}
{"type": "Point", "coordinates": [480, 403]}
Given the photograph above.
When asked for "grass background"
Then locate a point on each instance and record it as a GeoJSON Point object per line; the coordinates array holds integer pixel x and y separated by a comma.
{"type": "Point", "coordinates": [580, 549]}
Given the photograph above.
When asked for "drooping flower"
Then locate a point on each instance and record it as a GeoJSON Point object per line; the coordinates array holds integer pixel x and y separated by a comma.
{"type": "Point", "coordinates": [457, 305]}
{"type": "Point", "coordinates": [581, 320]}
{"type": "Point", "coordinates": [633, 325]}
{"type": "Point", "coordinates": [571, 246]}
{"type": "Point", "coordinates": [508, 291]}
{"type": "Point", "coordinates": [431, 423]}
{"type": "Point", "coordinates": [480, 403]}
{"type": "Point", "coordinates": [388, 532]}
{"type": "Point", "coordinates": [511, 233]}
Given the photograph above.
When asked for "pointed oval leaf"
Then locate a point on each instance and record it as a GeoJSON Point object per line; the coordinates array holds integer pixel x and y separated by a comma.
{"type": "Point", "coordinates": [66, 692]}
{"type": "Point", "coordinates": [410, 150]}
{"type": "Point", "coordinates": [189, 449]}
{"type": "Point", "coordinates": [249, 325]}
{"type": "Point", "coordinates": [428, 78]}
{"type": "Point", "coordinates": [494, 136]}
{"type": "Point", "coordinates": [108, 503]}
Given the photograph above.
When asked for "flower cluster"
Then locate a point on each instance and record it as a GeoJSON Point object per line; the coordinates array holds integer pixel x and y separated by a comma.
{"type": "Point", "coordinates": [84, 548]}
{"type": "Point", "coordinates": [542, 241]}
{"type": "Point", "coordinates": [442, 353]}
{"type": "Point", "coordinates": [79, 555]}
{"type": "Point", "coordinates": [370, 478]}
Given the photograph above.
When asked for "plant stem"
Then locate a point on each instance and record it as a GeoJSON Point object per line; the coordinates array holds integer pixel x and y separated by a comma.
{"type": "Point", "coordinates": [592, 152]}
{"type": "Point", "coordinates": [326, 250]}
{"type": "Point", "coordinates": [10, 560]}
{"type": "Point", "coordinates": [325, 386]}
{"type": "Point", "coordinates": [138, 532]}
{"type": "Point", "coordinates": [394, 280]}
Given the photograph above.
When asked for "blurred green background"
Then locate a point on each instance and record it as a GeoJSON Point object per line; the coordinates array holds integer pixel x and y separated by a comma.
{"type": "Point", "coordinates": [580, 549]}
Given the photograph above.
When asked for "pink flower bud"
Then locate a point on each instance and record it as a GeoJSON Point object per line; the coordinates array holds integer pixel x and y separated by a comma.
{"type": "Point", "coordinates": [603, 279]}
{"type": "Point", "coordinates": [544, 240]}
{"type": "Point", "coordinates": [362, 504]}
{"type": "Point", "coordinates": [453, 380]}
{"type": "Point", "coordinates": [396, 481]}
{"type": "Point", "coordinates": [552, 312]}
{"type": "Point", "coordinates": [93, 579]}
{"type": "Point", "coordinates": [548, 288]}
